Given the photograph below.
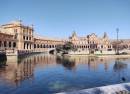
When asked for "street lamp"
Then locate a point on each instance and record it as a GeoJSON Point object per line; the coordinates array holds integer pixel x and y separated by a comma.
{"type": "Point", "coordinates": [117, 47]}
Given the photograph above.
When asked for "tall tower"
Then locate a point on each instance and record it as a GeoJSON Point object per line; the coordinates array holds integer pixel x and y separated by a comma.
{"type": "Point", "coordinates": [23, 34]}
{"type": "Point", "coordinates": [74, 34]}
{"type": "Point", "coordinates": [105, 35]}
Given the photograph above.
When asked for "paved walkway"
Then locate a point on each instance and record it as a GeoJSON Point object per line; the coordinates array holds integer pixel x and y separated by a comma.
{"type": "Point", "coordinates": [110, 89]}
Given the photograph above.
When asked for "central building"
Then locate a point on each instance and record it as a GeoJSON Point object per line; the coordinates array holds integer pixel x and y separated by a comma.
{"type": "Point", "coordinates": [91, 43]}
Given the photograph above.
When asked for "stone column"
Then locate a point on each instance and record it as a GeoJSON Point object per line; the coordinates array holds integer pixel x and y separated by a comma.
{"type": "Point", "coordinates": [7, 45]}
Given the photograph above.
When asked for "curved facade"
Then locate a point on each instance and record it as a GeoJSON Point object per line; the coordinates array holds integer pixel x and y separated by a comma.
{"type": "Point", "coordinates": [21, 38]}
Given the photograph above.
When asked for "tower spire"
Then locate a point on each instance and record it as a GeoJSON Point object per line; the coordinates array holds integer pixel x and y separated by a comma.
{"type": "Point", "coordinates": [74, 34]}
{"type": "Point", "coordinates": [105, 35]}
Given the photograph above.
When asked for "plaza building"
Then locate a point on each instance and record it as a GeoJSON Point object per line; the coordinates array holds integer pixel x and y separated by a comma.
{"type": "Point", "coordinates": [42, 44]}
{"type": "Point", "coordinates": [7, 41]}
{"type": "Point", "coordinates": [92, 44]}
{"type": "Point", "coordinates": [22, 35]}
{"type": "Point", "coordinates": [18, 37]}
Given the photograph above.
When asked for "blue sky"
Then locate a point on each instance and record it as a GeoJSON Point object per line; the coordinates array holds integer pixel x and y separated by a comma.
{"type": "Point", "coordinates": [58, 18]}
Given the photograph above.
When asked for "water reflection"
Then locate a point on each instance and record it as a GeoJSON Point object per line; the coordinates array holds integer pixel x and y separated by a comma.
{"type": "Point", "coordinates": [89, 71]}
{"type": "Point", "coordinates": [91, 62]}
{"type": "Point", "coordinates": [23, 68]}
{"type": "Point", "coordinates": [2, 64]}
{"type": "Point", "coordinates": [120, 67]}
{"type": "Point", "coordinates": [69, 64]}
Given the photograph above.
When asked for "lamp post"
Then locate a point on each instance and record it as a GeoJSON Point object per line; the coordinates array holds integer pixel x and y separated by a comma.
{"type": "Point", "coordinates": [88, 44]}
{"type": "Point", "coordinates": [117, 47]}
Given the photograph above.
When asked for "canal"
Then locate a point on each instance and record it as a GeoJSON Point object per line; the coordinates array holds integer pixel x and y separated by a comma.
{"type": "Point", "coordinates": [47, 74]}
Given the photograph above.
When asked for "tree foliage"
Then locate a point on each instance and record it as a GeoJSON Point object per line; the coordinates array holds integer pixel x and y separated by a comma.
{"type": "Point", "coordinates": [68, 46]}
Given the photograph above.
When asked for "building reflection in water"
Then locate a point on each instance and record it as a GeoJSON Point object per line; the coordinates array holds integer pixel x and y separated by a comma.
{"type": "Point", "coordinates": [67, 63]}
{"type": "Point", "coordinates": [16, 71]}
{"type": "Point", "coordinates": [120, 67]}
{"type": "Point", "coordinates": [23, 68]}
{"type": "Point", "coordinates": [91, 62]}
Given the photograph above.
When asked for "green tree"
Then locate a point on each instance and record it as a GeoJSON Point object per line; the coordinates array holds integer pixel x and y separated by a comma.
{"type": "Point", "coordinates": [68, 46]}
{"type": "Point", "coordinates": [59, 48]}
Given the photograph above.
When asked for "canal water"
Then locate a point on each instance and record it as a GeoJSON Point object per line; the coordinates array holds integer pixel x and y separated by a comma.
{"type": "Point", "coordinates": [47, 74]}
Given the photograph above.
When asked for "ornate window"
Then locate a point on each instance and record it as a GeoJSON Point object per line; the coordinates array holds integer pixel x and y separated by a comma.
{"type": "Point", "coordinates": [24, 45]}
{"type": "Point", "coordinates": [0, 43]}
{"type": "Point", "coordinates": [15, 30]}
{"type": "Point", "coordinates": [34, 45]}
{"type": "Point", "coordinates": [101, 46]}
{"type": "Point", "coordinates": [24, 37]}
{"type": "Point", "coordinates": [9, 44]}
{"type": "Point", "coordinates": [30, 46]}
{"type": "Point", "coordinates": [5, 43]}
{"type": "Point", "coordinates": [14, 44]}
{"type": "Point", "coordinates": [37, 45]}
{"type": "Point", "coordinates": [41, 45]}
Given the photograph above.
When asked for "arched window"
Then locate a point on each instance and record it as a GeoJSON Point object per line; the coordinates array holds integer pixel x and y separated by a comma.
{"type": "Point", "coordinates": [5, 43]}
{"type": "Point", "coordinates": [96, 46]}
{"type": "Point", "coordinates": [52, 46]}
{"type": "Point", "coordinates": [15, 30]}
{"type": "Point", "coordinates": [27, 46]}
{"type": "Point", "coordinates": [41, 45]}
{"type": "Point", "coordinates": [26, 38]}
{"type": "Point", "coordinates": [101, 46]}
{"type": "Point", "coordinates": [14, 44]}
{"type": "Point", "coordinates": [9, 44]}
{"type": "Point", "coordinates": [0, 43]}
{"type": "Point", "coordinates": [80, 46]}
{"type": "Point", "coordinates": [55, 46]}
{"type": "Point", "coordinates": [37, 45]}
{"type": "Point", "coordinates": [30, 46]}
{"type": "Point", "coordinates": [24, 45]}
{"type": "Point", "coordinates": [34, 45]}
{"type": "Point", "coordinates": [44, 46]}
